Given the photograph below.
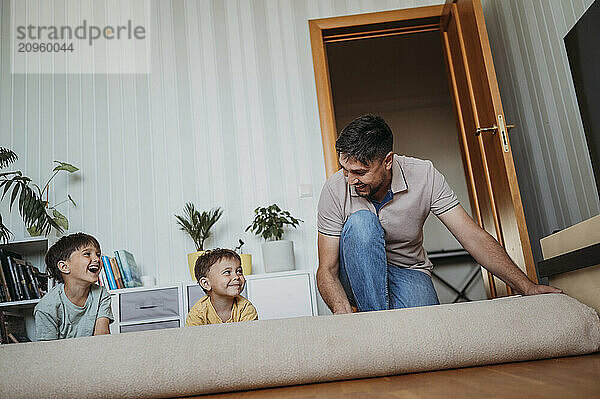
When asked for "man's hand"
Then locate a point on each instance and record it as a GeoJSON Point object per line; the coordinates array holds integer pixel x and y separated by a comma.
{"type": "Point", "coordinates": [344, 310]}
{"type": "Point", "coordinates": [536, 289]}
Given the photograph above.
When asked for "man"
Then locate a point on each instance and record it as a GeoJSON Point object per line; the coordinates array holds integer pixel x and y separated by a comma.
{"type": "Point", "coordinates": [370, 221]}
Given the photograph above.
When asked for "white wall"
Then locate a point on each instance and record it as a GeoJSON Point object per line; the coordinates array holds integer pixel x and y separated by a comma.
{"type": "Point", "coordinates": [228, 117]}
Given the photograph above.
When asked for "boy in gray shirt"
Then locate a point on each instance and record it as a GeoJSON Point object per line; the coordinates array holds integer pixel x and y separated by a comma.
{"type": "Point", "coordinates": [77, 306]}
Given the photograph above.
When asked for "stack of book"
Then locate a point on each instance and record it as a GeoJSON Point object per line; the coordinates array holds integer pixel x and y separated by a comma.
{"type": "Point", "coordinates": [20, 280]}
{"type": "Point", "coordinates": [120, 271]}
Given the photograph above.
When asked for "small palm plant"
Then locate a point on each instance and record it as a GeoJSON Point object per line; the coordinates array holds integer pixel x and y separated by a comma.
{"type": "Point", "coordinates": [198, 224]}
{"type": "Point", "coordinates": [269, 222]}
{"type": "Point", "coordinates": [32, 206]}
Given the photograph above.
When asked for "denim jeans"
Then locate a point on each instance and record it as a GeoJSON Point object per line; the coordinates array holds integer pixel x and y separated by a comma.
{"type": "Point", "coordinates": [369, 281]}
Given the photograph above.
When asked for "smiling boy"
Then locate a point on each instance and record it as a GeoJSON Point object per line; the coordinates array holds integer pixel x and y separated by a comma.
{"type": "Point", "coordinates": [219, 273]}
{"type": "Point", "coordinates": [77, 306]}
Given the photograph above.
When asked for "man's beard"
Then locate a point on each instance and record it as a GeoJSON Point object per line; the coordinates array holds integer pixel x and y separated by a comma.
{"type": "Point", "coordinates": [372, 191]}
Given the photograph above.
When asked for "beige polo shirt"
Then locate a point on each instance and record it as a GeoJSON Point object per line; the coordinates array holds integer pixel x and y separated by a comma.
{"type": "Point", "coordinates": [418, 188]}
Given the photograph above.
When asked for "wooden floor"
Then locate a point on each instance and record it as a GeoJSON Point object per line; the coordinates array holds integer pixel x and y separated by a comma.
{"type": "Point", "coordinates": [568, 377]}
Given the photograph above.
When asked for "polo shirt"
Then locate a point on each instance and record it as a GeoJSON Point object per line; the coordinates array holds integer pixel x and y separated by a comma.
{"type": "Point", "coordinates": [418, 188]}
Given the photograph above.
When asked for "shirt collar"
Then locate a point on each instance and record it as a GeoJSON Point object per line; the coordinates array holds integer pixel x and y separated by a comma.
{"type": "Point", "coordinates": [398, 179]}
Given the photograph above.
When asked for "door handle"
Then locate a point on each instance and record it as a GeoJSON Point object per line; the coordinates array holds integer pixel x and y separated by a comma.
{"type": "Point", "coordinates": [492, 129]}
{"type": "Point", "coordinates": [480, 130]}
{"type": "Point", "coordinates": [503, 128]}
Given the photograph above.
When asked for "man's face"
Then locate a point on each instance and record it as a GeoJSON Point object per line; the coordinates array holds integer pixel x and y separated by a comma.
{"type": "Point", "coordinates": [368, 180]}
{"type": "Point", "coordinates": [225, 278]}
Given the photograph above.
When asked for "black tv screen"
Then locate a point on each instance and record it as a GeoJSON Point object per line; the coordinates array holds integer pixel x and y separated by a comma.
{"type": "Point", "coordinates": [583, 50]}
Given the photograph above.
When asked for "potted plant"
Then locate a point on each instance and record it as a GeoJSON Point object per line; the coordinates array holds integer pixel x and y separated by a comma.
{"type": "Point", "coordinates": [197, 225]}
{"type": "Point", "coordinates": [246, 258]}
{"type": "Point", "coordinates": [34, 209]}
{"type": "Point", "coordinates": [268, 223]}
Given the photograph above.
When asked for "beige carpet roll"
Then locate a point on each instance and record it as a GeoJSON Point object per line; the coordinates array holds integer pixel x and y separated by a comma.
{"type": "Point", "coordinates": [228, 357]}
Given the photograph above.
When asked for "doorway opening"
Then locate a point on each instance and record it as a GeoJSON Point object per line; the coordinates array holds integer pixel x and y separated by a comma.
{"type": "Point", "coordinates": [403, 79]}
{"type": "Point", "coordinates": [452, 37]}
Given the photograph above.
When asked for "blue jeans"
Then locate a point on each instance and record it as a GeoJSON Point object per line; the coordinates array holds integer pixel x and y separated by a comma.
{"type": "Point", "coordinates": [369, 281]}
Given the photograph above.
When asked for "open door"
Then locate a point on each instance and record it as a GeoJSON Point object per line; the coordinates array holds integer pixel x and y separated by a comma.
{"type": "Point", "coordinates": [487, 156]}
{"type": "Point", "coordinates": [489, 167]}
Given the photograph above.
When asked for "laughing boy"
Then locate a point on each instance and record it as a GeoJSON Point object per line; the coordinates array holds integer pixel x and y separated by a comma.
{"type": "Point", "coordinates": [77, 306]}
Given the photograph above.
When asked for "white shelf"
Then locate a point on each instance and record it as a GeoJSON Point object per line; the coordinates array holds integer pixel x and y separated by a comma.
{"type": "Point", "coordinates": [27, 245]}
{"type": "Point", "coordinates": [29, 303]}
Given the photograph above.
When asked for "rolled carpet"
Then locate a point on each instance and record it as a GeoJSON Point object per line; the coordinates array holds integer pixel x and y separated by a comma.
{"type": "Point", "coordinates": [227, 357]}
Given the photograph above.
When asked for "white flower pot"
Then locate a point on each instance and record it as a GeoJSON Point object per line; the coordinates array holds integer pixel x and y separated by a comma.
{"type": "Point", "coordinates": [278, 256]}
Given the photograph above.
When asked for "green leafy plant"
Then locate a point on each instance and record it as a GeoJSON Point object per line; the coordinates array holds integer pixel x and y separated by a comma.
{"type": "Point", "coordinates": [198, 224]}
{"type": "Point", "coordinates": [34, 209]}
{"type": "Point", "coordinates": [269, 222]}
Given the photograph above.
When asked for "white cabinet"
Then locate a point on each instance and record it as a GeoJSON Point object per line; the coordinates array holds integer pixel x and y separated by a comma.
{"type": "Point", "coordinates": [274, 295]}
{"type": "Point", "coordinates": [280, 295]}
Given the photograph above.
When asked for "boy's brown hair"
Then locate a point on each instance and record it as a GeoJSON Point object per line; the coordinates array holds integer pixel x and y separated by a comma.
{"type": "Point", "coordinates": [209, 258]}
{"type": "Point", "coordinates": [62, 250]}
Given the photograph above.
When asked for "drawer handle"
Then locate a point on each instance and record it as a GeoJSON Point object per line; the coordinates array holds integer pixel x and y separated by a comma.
{"type": "Point", "coordinates": [147, 306]}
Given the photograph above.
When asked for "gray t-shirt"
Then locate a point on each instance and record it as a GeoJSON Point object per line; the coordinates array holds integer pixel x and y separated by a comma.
{"type": "Point", "coordinates": [56, 317]}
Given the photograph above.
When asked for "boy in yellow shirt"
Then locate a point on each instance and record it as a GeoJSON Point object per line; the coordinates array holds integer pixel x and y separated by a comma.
{"type": "Point", "coordinates": [219, 273]}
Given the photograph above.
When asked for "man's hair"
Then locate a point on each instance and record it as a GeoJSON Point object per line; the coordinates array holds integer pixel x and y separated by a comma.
{"type": "Point", "coordinates": [62, 250]}
{"type": "Point", "coordinates": [366, 139]}
{"type": "Point", "coordinates": [209, 258]}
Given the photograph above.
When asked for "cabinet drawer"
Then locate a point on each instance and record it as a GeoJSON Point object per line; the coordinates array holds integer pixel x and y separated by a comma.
{"type": "Point", "coordinates": [150, 326]}
{"type": "Point", "coordinates": [143, 305]}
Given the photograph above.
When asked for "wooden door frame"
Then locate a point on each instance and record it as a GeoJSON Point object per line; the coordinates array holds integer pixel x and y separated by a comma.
{"type": "Point", "coordinates": [321, 66]}
{"type": "Point", "coordinates": [411, 17]}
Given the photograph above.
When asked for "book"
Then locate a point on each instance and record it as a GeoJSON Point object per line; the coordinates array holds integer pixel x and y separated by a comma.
{"type": "Point", "coordinates": [16, 280]}
{"type": "Point", "coordinates": [21, 266]}
{"type": "Point", "coordinates": [10, 285]}
{"type": "Point", "coordinates": [127, 262]}
{"type": "Point", "coordinates": [112, 284]}
{"type": "Point", "coordinates": [4, 286]}
{"type": "Point", "coordinates": [104, 279]}
{"type": "Point", "coordinates": [35, 288]}
{"type": "Point", "coordinates": [26, 280]}
{"type": "Point", "coordinates": [42, 280]}
{"type": "Point", "coordinates": [124, 273]}
{"type": "Point", "coordinates": [117, 272]}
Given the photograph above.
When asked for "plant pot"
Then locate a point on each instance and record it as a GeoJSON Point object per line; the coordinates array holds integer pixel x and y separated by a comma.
{"type": "Point", "coordinates": [192, 262]}
{"type": "Point", "coordinates": [278, 256]}
{"type": "Point", "coordinates": [246, 264]}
